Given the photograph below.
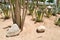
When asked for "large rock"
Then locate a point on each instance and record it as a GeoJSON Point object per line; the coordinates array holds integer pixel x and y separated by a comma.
{"type": "Point", "coordinates": [41, 29]}
{"type": "Point", "coordinates": [14, 30]}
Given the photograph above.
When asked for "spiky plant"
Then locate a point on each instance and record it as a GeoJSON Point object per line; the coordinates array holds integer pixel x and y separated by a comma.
{"type": "Point", "coordinates": [58, 22]}
{"type": "Point", "coordinates": [54, 12]}
{"type": "Point", "coordinates": [49, 11]}
{"type": "Point", "coordinates": [31, 8]}
{"type": "Point", "coordinates": [40, 11]}
{"type": "Point", "coordinates": [5, 10]}
{"type": "Point", "coordinates": [39, 15]}
{"type": "Point", "coordinates": [58, 9]}
{"type": "Point", "coordinates": [16, 14]}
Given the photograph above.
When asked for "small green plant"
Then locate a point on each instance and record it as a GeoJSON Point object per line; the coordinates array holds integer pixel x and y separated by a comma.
{"type": "Point", "coordinates": [58, 9]}
{"type": "Point", "coordinates": [54, 12]}
{"type": "Point", "coordinates": [39, 15]}
{"type": "Point", "coordinates": [5, 11]}
{"type": "Point", "coordinates": [49, 11]}
{"type": "Point", "coordinates": [58, 22]}
{"type": "Point", "coordinates": [31, 9]}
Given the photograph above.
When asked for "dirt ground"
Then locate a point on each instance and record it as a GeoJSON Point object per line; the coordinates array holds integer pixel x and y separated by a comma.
{"type": "Point", "coordinates": [52, 31]}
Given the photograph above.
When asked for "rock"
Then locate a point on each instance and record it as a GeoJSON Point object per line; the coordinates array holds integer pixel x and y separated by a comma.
{"type": "Point", "coordinates": [49, 7]}
{"type": "Point", "coordinates": [41, 29]}
{"type": "Point", "coordinates": [14, 30]}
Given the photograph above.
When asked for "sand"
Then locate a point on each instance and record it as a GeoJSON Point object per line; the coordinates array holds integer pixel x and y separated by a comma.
{"type": "Point", "coordinates": [52, 31]}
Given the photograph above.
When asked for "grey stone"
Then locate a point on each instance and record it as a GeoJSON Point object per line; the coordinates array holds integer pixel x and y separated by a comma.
{"type": "Point", "coordinates": [41, 29]}
{"type": "Point", "coordinates": [14, 30]}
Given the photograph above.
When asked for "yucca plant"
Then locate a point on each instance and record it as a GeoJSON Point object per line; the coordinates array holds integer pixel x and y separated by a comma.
{"type": "Point", "coordinates": [40, 11]}
{"type": "Point", "coordinates": [31, 9]}
{"type": "Point", "coordinates": [58, 22]}
{"type": "Point", "coordinates": [17, 16]}
{"type": "Point", "coordinates": [39, 16]}
{"type": "Point", "coordinates": [49, 12]}
{"type": "Point", "coordinates": [54, 11]}
{"type": "Point", "coordinates": [5, 10]}
{"type": "Point", "coordinates": [58, 9]}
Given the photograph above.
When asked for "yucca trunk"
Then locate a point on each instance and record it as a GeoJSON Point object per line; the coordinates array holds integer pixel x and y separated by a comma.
{"type": "Point", "coordinates": [40, 11]}
{"type": "Point", "coordinates": [12, 11]}
{"type": "Point", "coordinates": [17, 13]}
{"type": "Point", "coordinates": [24, 14]}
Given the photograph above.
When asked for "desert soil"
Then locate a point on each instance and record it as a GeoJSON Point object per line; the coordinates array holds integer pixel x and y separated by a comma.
{"type": "Point", "coordinates": [52, 31]}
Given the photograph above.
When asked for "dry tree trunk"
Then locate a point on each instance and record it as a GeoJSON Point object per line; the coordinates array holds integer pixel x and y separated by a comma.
{"type": "Point", "coordinates": [24, 14]}
{"type": "Point", "coordinates": [17, 13]}
{"type": "Point", "coordinates": [12, 11]}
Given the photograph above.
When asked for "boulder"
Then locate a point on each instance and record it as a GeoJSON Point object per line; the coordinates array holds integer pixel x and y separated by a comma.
{"type": "Point", "coordinates": [41, 29]}
{"type": "Point", "coordinates": [14, 30]}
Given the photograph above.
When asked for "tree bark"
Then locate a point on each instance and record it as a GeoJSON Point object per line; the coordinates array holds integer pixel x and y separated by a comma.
{"type": "Point", "coordinates": [24, 14]}
{"type": "Point", "coordinates": [17, 13]}
{"type": "Point", "coordinates": [12, 12]}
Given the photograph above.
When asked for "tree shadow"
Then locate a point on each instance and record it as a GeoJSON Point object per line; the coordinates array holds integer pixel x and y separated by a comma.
{"type": "Point", "coordinates": [7, 27]}
{"type": "Point", "coordinates": [4, 19]}
{"type": "Point", "coordinates": [37, 22]}
{"type": "Point", "coordinates": [12, 35]}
